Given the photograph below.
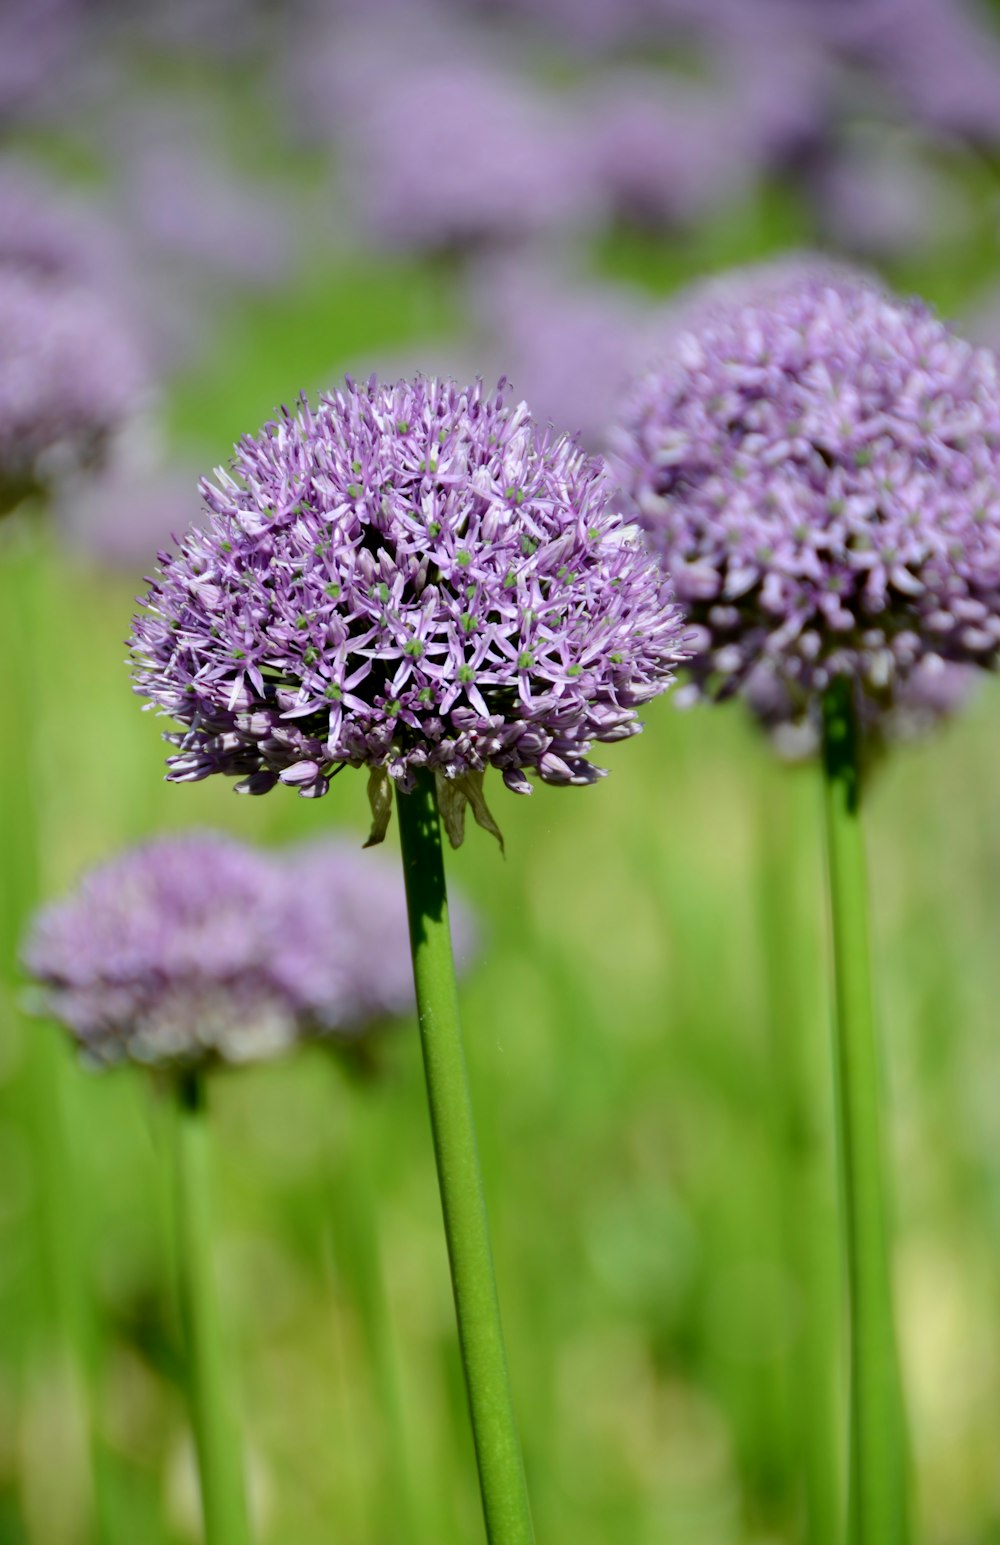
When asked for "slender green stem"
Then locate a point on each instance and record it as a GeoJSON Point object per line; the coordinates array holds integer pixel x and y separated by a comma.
{"type": "Point", "coordinates": [358, 1255]}
{"type": "Point", "coordinates": [47, 1087]}
{"type": "Point", "coordinates": [806, 1198]}
{"type": "Point", "coordinates": [877, 1490]}
{"type": "Point", "coordinates": [220, 1458]}
{"type": "Point", "coordinates": [498, 1453]}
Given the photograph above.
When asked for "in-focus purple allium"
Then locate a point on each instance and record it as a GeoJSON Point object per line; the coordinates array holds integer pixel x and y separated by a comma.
{"type": "Point", "coordinates": [405, 576]}
{"type": "Point", "coordinates": [197, 949]}
{"type": "Point", "coordinates": [69, 375]}
{"type": "Point", "coordinates": [818, 464]}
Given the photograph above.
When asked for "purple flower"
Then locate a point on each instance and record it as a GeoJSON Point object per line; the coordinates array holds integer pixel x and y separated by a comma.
{"type": "Point", "coordinates": [37, 40]}
{"type": "Point", "coordinates": [69, 375]}
{"type": "Point", "coordinates": [453, 153]}
{"type": "Point", "coordinates": [933, 693]}
{"type": "Point", "coordinates": [665, 151]}
{"type": "Point", "coordinates": [170, 954]}
{"type": "Point", "coordinates": [197, 949]}
{"type": "Point", "coordinates": [347, 944]}
{"type": "Point", "coordinates": [135, 506]}
{"type": "Point", "coordinates": [405, 576]}
{"type": "Point", "coordinates": [818, 464]}
{"type": "Point", "coordinates": [570, 346]}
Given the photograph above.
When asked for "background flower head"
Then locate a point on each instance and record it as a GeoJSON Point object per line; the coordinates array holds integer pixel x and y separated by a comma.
{"type": "Point", "coordinates": [405, 576]}
{"type": "Point", "coordinates": [198, 949]}
{"type": "Point", "coordinates": [817, 463]}
{"type": "Point", "coordinates": [70, 374]}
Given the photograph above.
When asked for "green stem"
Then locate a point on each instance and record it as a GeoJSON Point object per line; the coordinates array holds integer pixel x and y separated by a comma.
{"type": "Point", "coordinates": [877, 1490]}
{"type": "Point", "coordinates": [46, 1088]}
{"type": "Point", "coordinates": [358, 1255]}
{"type": "Point", "coordinates": [220, 1459]}
{"type": "Point", "coordinates": [802, 1120]}
{"type": "Point", "coordinates": [498, 1454]}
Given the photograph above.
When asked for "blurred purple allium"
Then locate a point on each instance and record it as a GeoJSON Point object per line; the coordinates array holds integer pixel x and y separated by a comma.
{"type": "Point", "coordinates": [196, 949]}
{"type": "Point", "coordinates": [170, 953]}
{"type": "Point", "coordinates": [405, 576]}
{"type": "Point", "coordinates": [350, 954]}
{"type": "Point", "coordinates": [663, 150]}
{"type": "Point", "coordinates": [818, 465]}
{"type": "Point", "coordinates": [186, 205]}
{"type": "Point", "coordinates": [37, 41]}
{"type": "Point", "coordinates": [941, 58]}
{"type": "Point", "coordinates": [450, 154]}
{"type": "Point", "coordinates": [934, 692]}
{"type": "Point", "coordinates": [569, 345]}
{"type": "Point", "coordinates": [70, 373]}
{"type": "Point", "coordinates": [131, 510]}
{"type": "Point", "coordinates": [48, 231]}
{"type": "Point", "coordinates": [880, 196]}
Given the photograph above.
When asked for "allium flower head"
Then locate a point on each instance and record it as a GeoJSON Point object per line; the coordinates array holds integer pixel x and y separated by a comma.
{"type": "Point", "coordinates": [405, 576]}
{"type": "Point", "coordinates": [818, 464]}
{"type": "Point", "coordinates": [196, 949]}
{"type": "Point", "coordinates": [69, 375]}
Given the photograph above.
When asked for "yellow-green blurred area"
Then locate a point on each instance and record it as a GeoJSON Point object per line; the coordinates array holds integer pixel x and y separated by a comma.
{"type": "Point", "coordinates": [647, 1019]}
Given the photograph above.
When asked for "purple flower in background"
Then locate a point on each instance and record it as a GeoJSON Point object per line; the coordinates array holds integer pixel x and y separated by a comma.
{"type": "Point", "coordinates": [880, 195]}
{"type": "Point", "coordinates": [941, 58]}
{"type": "Point", "coordinates": [570, 346]}
{"type": "Point", "coordinates": [131, 510]}
{"type": "Point", "coordinates": [49, 232]}
{"type": "Point", "coordinates": [186, 205]}
{"type": "Point", "coordinates": [662, 150]}
{"type": "Point", "coordinates": [934, 692]}
{"type": "Point", "coordinates": [818, 464]}
{"type": "Point", "coordinates": [37, 41]}
{"type": "Point", "coordinates": [196, 949]}
{"type": "Point", "coordinates": [405, 576]}
{"type": "Point", "coordinates": [450, 154]}
{"type": "Point", "coordinates": [171, 954]}
{"type": "Point", "coordinates": [70, 374]}
{"type": "Point", "coordinates": [348, 945]}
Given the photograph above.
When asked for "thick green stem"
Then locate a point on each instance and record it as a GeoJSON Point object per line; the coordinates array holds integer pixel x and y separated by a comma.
{"type": "Point", "coordinates": [877, 1491]}
{"type": "Point", "coordinates": [498, 1453]}
{"type": "Point", "coordinates": [802, 1115]}
{"type": "Point", "coordinates": [220, 1458]}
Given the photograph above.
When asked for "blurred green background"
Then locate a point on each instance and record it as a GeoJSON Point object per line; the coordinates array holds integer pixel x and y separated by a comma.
{"type": "Point", "coordinates": [633, 1031]}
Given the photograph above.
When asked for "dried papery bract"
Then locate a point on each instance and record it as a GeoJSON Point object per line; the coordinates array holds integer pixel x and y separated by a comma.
{"type": "Point", "coordinates": [417, 580]}
{"type": "Point", "coordinates": [818, 463]}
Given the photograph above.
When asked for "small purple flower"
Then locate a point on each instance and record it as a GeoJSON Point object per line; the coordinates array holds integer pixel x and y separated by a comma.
{"type": "Point", "coordinates": [196, 949]}
{"type": "Point", "coordinates": [405, 576]}
{"type": "Point", "coordinates": [818, 465]}
{"type": "Point", "coordinates": [70, 374]}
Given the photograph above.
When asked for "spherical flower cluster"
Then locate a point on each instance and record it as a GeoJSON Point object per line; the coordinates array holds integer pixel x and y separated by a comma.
{"type": "Point", "coordinates": [493, 161]}
{"type": "Point", "coordinates": [405, 576]}
{"type": "Point", "coordinates": [196, 949]}
{"type": "Point", "coordinates": [819, 468]}
{"type": "Point", "coordinates": [69, 375]}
